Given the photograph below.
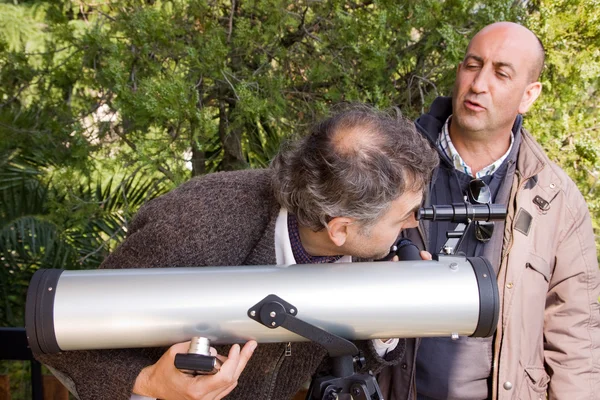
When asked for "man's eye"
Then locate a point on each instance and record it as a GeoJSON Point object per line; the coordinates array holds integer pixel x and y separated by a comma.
{"type": "Point", "coordinates": [403, 220]}
{"type": "Point", "coordinates": [502, 74]}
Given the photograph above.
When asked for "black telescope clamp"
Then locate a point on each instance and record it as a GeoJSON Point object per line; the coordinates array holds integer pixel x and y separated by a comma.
{"type": "Point", "coordinates": [462, 213]}
{"type": "Point", "coordinates": [345, 382]}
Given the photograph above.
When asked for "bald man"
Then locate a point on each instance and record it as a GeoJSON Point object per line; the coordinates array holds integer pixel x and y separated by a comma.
{"type": "Point", "coordinates": [547, 343]}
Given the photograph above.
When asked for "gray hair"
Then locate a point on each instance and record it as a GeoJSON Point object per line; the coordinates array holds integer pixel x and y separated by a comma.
{"type": "Point", "coordinates": [352, 164]}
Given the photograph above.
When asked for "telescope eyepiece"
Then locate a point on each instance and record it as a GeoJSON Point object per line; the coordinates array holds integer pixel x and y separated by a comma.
{"type": "Point", "coordinates": [463, 212]}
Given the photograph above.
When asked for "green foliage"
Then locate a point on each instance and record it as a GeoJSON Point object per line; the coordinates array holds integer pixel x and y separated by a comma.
{"type": "Point", "coordinates": [566, 119]}
{"type": "Point", "coordinates": [105, 105]}
{"type": "Point", "coordinates": [45, 225]}
{"type": "Point", "coordinates": [21, 26]}
{"type": "Point", "coordinates": [19, 373]}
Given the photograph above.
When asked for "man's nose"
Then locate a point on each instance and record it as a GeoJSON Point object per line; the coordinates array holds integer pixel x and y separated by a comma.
{"type": "Point", "coordinates": [480, 82]}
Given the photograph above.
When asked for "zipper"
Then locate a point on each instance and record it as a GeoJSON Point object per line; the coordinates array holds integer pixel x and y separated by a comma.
{"type": "Point", "coordinates": [500, 338]}
{"type": "Point", "coordinates": [287, 353]}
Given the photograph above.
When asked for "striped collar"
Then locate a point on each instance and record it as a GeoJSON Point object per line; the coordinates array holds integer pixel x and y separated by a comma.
{"type": "Point", "coordinates": [300, 255]}
{"type": "Point", "coordinates": [445, 144]}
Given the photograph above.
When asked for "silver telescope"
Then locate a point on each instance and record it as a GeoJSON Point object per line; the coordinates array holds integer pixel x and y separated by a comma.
{"type": "Point", "coordinates": [130, 308]}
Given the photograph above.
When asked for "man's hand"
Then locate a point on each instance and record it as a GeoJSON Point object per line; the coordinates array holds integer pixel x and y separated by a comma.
{"type": "Point", "coordinates": [163, 381]}
{"type": "Point", "coordinates": [425, 255]}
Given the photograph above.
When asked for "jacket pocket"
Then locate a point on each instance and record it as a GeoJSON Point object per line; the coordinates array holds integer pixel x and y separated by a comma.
{"type": "Point", "coordinates": [538, 264]}
{"type": "Point", "coordinates": [535, 384]}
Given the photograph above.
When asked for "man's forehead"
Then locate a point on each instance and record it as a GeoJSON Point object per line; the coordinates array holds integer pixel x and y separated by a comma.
{"type": "Point", "coordinates": [413, 199]}
{"type": "Point", "coordinates": [500, 52]}
{"type": "Point", "coordinates": [409, 199]}
{"type": "Point", "coordinates": [504, 44]}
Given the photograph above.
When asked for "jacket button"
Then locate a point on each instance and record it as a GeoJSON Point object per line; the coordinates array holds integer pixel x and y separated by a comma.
{"type": "Point", "coordinates": [404, 366]}
{"type": "Point", "coordinates": [507, 385]}
{"type": "Point", "coordinates": [509, 285]}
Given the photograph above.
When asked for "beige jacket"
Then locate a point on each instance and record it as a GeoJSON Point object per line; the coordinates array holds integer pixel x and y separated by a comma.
{"type": "Point", "coordinates": [548, 336]}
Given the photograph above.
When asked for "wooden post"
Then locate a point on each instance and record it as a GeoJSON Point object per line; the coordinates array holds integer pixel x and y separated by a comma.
{"type": "Point", "coordinates": [301, 395]}
{"type": "Point", "coordinates": [4, 387]}
{"type": "Point", "coordinates": [53, 389]}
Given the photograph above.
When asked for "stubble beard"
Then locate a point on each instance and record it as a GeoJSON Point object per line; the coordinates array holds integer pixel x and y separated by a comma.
{"type": "Point", "coordinates": [369, 254]}
{"type": "Point", "coordinates": [469, 125]}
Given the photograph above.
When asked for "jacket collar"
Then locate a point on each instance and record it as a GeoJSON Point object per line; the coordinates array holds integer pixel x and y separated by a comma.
{"type": "Point", "coordinates": [533, 160]}
{"type": "Point", "coordinates": [431, 123]}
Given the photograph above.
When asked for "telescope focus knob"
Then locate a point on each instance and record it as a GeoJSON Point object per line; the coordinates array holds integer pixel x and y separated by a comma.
{"type": "Point", "coordinates": [198, 361]}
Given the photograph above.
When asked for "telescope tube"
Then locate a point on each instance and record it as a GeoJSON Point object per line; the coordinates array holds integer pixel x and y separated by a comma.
{"type": "Point", "coordinates": [128, 308]}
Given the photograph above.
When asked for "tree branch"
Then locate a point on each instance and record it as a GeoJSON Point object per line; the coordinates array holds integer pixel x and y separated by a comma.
{"type": "Point", "coordinates": [233, 6]}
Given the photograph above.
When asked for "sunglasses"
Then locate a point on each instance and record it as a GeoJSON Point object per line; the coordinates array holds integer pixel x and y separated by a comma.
{"type": "Point", "coordinates": [478, 192]}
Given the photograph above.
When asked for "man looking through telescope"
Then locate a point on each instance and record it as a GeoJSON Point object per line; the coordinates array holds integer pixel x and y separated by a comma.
{"type": "Point", "coordinates": [547, 342]}
{"type": "Point", "coordinates": [346, 190]}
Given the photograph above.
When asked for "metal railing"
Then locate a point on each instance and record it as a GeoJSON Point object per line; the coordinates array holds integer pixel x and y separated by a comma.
{"type": "Point", "coordinates": [15, 348]}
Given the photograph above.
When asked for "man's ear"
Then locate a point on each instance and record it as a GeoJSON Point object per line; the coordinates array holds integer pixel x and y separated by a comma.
{"type": "Point", "coordinates": [337, 229]}
{"type": "Point", "coordinates": [532, 92]}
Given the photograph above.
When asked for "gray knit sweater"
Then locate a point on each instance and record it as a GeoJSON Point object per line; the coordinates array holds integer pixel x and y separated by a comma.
{"type": "Point", "coordinates": [218, 219]}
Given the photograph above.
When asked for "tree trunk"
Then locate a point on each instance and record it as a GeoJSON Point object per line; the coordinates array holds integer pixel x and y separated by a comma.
{"type": "Point", "coordinates": [198, 160]}
{"type": "Point", "coordinates": [231, 140]}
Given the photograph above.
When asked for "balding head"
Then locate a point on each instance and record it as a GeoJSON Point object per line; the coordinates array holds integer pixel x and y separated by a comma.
{"type": "Point", "coordinates": [524, 38]}
{"type": "Point", "coordinates": [353, 164]}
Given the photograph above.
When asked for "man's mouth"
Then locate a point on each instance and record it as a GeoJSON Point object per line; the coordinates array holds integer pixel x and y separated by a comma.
{"type": "Point", "coordinates": [473, 105]}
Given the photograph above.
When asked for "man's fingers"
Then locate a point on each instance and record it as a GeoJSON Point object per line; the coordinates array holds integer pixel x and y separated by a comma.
{"type": "Point", "coordinates": [221, 358]}
{"type": "Point", "coordinates": [219, 385]}
{"type": "Point", "coordinates": [225, 380]}
{"type": "Point", "coordinates": [234, 353]}
{"type": "Point", "coordinates": [232, 368]}
{"type": "Point", "coordinates": [425, 255]}
{"type": "Point", "coordinates": [178, 348]}
{"type": "Point", "coordinates": [182, 347]}
{"type": "Point", "coordinates": [237, 359]}
{"type": "Point", "coordinates": [245, 355]}
{"type": "Point", "coordinates": [229, 367]}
